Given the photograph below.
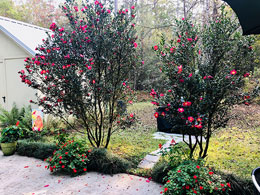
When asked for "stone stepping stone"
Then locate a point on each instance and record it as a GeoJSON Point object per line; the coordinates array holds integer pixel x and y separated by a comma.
{"type": "Point", "coordinates": [151, 159]}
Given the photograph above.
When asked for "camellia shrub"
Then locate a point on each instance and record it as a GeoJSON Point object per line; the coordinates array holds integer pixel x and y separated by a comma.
{"type": "Point", "coordinates": [69, 158]}
{"type": "Point", "coordinates": [192, 177]}
{"type": "Point", "coordinates": [205, 68]}
{"type": "Point", "coordinates": [83, 70]}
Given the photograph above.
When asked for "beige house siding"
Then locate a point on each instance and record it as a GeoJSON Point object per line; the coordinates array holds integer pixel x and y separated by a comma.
{"type": "Point", "coordinates": [11, 61]}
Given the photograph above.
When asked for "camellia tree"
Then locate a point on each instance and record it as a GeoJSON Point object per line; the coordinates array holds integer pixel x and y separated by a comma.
{"type": "Point", "coordinates": [83, 70]}
{"type": "Point", "coordinates": [205, 69]}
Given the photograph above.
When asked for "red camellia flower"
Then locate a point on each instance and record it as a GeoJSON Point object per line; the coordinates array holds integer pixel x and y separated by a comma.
{"type": "Point", "coordinates": [179, 69]}
{"type": "Point", "coordinates": [84, 169]}
{"type": "Point", "coordinates": [179, 40]}
{"type": "Point", "coordinates": [60, 157]}
{"type": "Point", "coordinates": [181, 110]}
{"type": "Point", "coordinates": [165, 189]}
{"type": "Point", "coordinates": [187, 187]}
{"type": "Point", "coordinates": [186, 103]}
{"type": "Point", "coordinates": [197, 166]}
{"type": "Point", "coordinates": [222, 185]}
{"type": "Point", "coordinates": [74, 170]}
{"type": "Point", "coordinates": [109, 11]}
{"type": "Point", "coordinates": [131, 115]}
{"type": "Point", "coordinates": [233, 72]}
{"type": "Point", "coordinates": [211, 173]}
{"type": "Point", "coordinates": [228, 184]}
{"type": "Point", "coordinates": [17, 123]}
{"type": "Point", "coordinates": [190, 118]}
{"type": "Point", "coordinates": [63, 166]}
{"type": "Point", "coordinates": [66, 152]}
{"type": "Point", "coordinates": [133, 7]}
{"type": "Point", "coordinates": [195, 177]}
{"type": "Point", "coordinates": [160, 146]}
{"type": "Point", "coordinates": [201, 188]}
{"type": "Point", "coordinates": [135, 45]}
{"type": "Point", "coordinates": [179, 171]}
{"type": "Point", "coordinates": [156, 115]}
{"type": "Point", "coordinates": [246, 74]}
{"type": "Point", "coordinates": [155, 47]}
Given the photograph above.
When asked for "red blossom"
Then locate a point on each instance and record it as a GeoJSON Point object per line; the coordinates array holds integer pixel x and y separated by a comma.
{"type": "Point", "coordinates": [165, 189]}
{"type": "Point", "coordinates": [233, 72]}
{"type": "Point", "coordinates": [160, 146]}
{"type": "Point", "coordinates": [155, 47]}
{"type": "Point", "coordinates": [211, 173]}
{"type": "Point", "coordinates": [17, 123]}
{"type": "Point", "coordinates": [181, 110]}
{"type": "Point", "coordinates": [156, 114]}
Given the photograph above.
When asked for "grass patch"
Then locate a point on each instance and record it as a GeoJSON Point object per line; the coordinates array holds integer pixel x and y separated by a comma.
{"type": "Point", "coordinates": [134, 144]}
{"type": "Point", "coordinates": [235, 151]}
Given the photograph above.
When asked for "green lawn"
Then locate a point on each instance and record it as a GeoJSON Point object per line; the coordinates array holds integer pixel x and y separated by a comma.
{"type": "Point", "coordinates": [235, 151]}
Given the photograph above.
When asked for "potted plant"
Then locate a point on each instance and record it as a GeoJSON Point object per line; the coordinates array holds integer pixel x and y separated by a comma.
{"type": "Point", "coordinates": [9, 137]}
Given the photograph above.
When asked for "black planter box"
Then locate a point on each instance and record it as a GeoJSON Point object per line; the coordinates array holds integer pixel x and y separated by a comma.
{"type": "Point", "coordinates": [256, 180]}
{"type": "Point", "coordinates": [162, 123]}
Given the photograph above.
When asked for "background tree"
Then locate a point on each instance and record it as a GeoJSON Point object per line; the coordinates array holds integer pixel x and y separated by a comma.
{"type": "Point", "coordinates": [83, 71]}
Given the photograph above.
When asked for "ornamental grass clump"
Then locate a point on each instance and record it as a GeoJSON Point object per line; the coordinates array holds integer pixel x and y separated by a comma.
{"type": "Point", "coordinates": [70, 158]}
{"type": "Point", "coordinates": [81, 69]}
{"type": "Point", "coordinates": [206, 69]}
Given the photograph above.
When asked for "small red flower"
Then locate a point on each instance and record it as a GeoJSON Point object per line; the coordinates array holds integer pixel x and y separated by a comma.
{"type": "Point", "coordinates": [198, 167]}
{"type": "Point", "coordinates": [156, 114]}
{"type": "Point", "coordinates": [195, 177]}
{"type": "Point", "coordinates": [155, 47]}
{"type": "Point", "coordinates": [84, 169]}
{"type": "Point", "coordinates": [160, 146]}
{"type": "Point", "coordinates": [165, 189]}
{"type": "Point", "coordinates": [131, 115]}
{"type": "Point", "coordinates": [135, 45]}
{"type": "Point", "coordinates": [186, 103]}
{"type": "Point", "coordinates": [17, 123]}
{"type": "Point", "coordinates": [66, 152]}
{"type": "Point", "coordinates": [60, 157]}
{"type": "Point", "coordinates": [179, 171]}
{"type": "Point", "coordinates": [228, 184]}
{"type": "Point", "coordinates": [222, 185]}
{"type": "Point", "coordinates": [63, 166]}
{"type": "Point", "coordinates": [74, 170]}
{"type": "Point", "coordinates": [190, 118]}
{"type": "Point", "coordinates": [211, 173]}
{"type": "Point", "coordinates": [187, 187]}
{"type": "Point", "coordinates": [233, 72]}
{"type": "Point", "coordinates": [201, 188]}
{"type": "Point", "coordinates": [181, 110]}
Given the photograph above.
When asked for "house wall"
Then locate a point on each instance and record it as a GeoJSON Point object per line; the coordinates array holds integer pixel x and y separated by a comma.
{"type": "Point", "coordinates": [11, 61]}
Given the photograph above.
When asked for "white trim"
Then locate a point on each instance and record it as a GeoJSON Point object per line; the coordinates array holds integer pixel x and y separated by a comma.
{"type": "Point", "coordinates": [254, 180]}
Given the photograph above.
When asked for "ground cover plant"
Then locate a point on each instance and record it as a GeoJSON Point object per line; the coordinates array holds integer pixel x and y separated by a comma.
{"type": "Point", "coordinates": [89, 64]}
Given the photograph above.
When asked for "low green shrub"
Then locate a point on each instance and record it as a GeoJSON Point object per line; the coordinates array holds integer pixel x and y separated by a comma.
{"type": "Point", "coordinates": [192, 177]}
{"type": "Point", "coordinates": [10, 134]}
{"type": "Point", "coordinates": [105, 162]}
{"type": "Point", "coordinates": [69, 158]}
{"type": "Point", "coordinates": [35, 149]}
{"type": "Point", "coordinates": [160, 171]}
{"type": "Point", "coordinates": [238, 185]}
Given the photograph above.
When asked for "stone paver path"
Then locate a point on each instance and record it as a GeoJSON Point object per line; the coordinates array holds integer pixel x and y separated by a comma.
{"type": "Point", "coordinates": [151, 159]}
{"type": "Point", "coordinates": [21, 175]}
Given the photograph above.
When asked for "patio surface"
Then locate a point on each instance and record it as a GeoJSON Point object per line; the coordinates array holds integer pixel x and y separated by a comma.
{"type": "Point", "coordinates": [21, 175]}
